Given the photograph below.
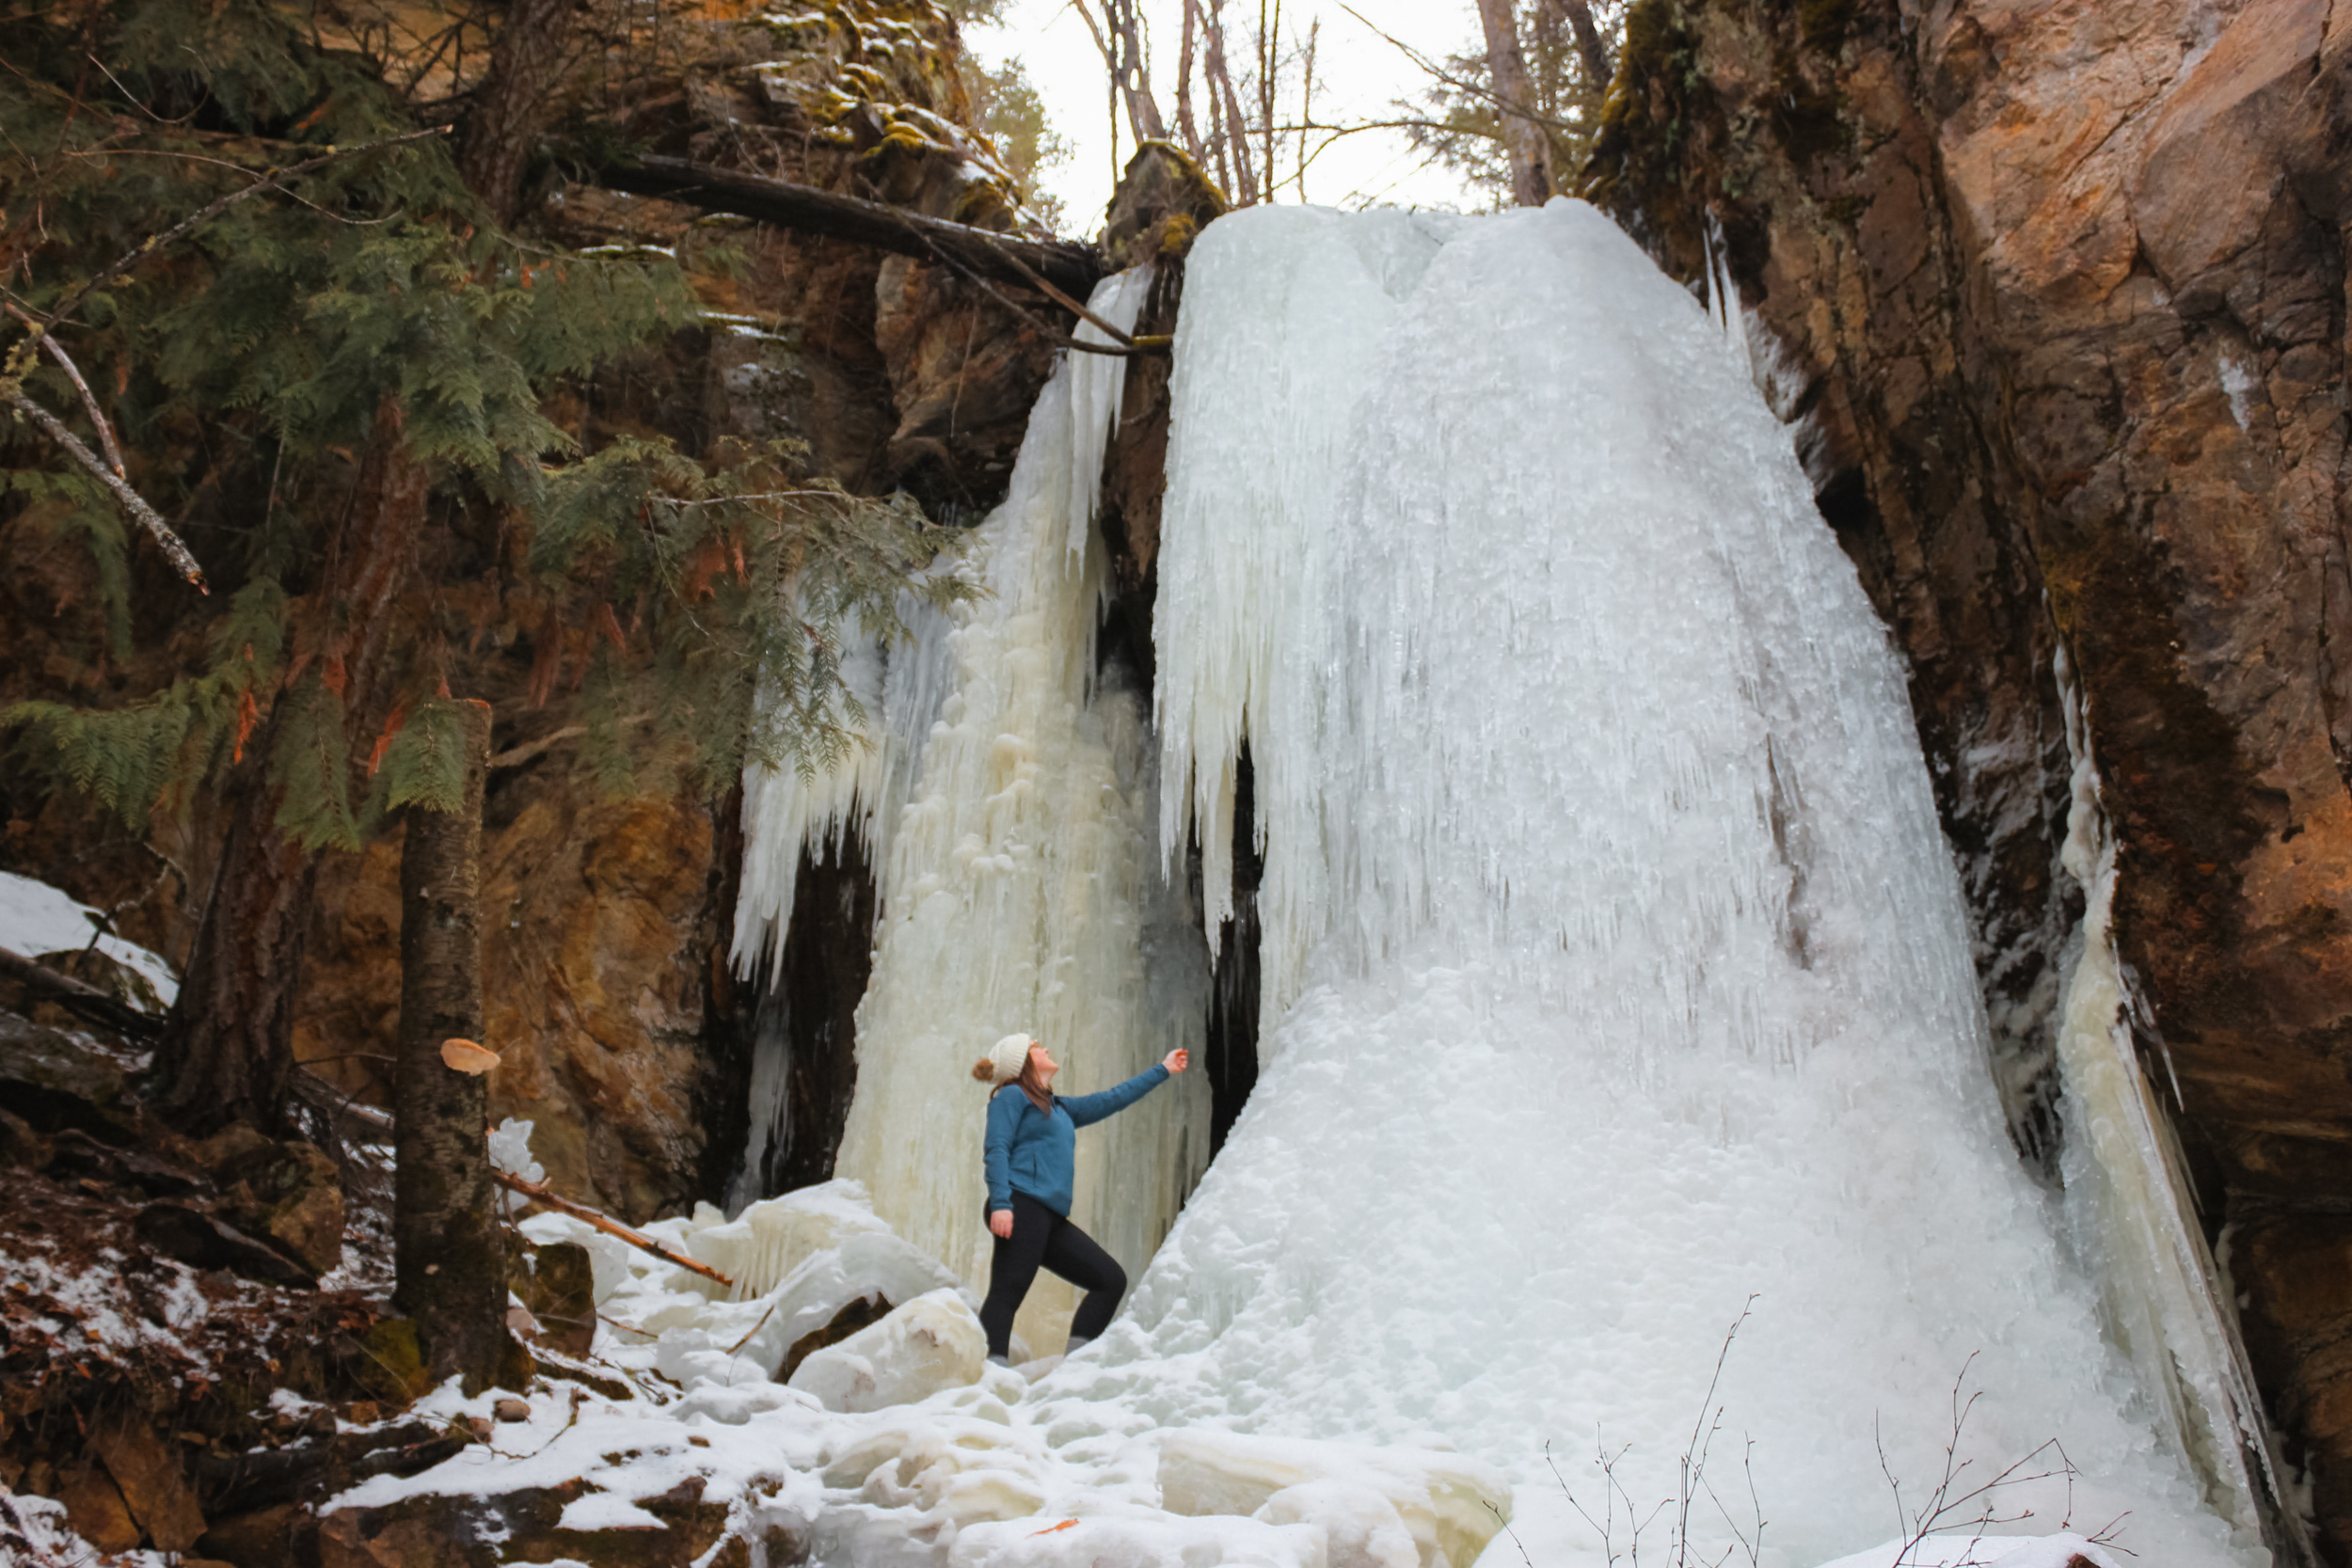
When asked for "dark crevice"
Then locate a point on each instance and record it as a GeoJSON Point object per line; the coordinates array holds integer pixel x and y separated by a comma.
{"type": "Point", "coordinates": [807, 1012]}
{"type": "Point", "coordinates": [1232, 1047]}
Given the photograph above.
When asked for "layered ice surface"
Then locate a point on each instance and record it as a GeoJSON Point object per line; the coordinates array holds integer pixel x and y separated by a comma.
{"type": "Point", "coordinates": [1616, 974]}
{"type": "Point", "coordinates": [1009, 801]}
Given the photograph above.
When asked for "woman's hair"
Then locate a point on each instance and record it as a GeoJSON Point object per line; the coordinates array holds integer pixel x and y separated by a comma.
{"type": "Point", "coordinates": [1034, 1087]}
{"type": "Point", "coordinates": [984, 1071]}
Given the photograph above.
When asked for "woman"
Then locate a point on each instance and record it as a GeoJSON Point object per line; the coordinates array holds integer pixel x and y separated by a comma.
{"type": "Point", "coordinates": [1032, 1139]}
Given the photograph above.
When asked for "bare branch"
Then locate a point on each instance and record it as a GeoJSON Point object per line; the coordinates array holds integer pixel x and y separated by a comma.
{"type": "Point", "coordinates": [539, 1193]}
{"type": "Point", "coordinates": [147, 517]}
{"type": "Point", "coordinates": [89, 399]}
{"type": "Point", "coordinates": [1462, 84]}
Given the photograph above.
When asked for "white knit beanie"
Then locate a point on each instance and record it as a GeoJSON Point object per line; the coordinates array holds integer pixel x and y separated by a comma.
{"type": "Point", "coordinates": [1008, 1056]}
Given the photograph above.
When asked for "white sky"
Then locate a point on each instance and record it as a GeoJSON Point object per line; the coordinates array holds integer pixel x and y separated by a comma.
{"type": "Point", "coordinates": [1358, 76]}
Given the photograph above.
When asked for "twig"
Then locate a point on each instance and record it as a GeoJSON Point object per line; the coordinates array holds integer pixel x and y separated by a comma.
{"type": "Point", "coordinates": [757, 1326]}
{"type": "Point", "coordinates": [539, 1193]}
{"type": "Point", "coordinates": [514, 756]}
{"type": "Point", "coordinates": [145, 516]}
{"type": "Point", "coordinates": [1062, 299]}
{"type": "Point", "coordinates": [1133, 346]}
{"type": "Point", "coordinates": [1692, 1475]}
{"type": "Point", "coordinates": [1462, 84]}
{"type": "Point", "coordinates": [90, 400]}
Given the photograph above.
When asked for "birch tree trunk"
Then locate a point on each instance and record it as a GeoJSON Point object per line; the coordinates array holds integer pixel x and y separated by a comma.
{"type": "Point", "coordinates": [1523, 140]}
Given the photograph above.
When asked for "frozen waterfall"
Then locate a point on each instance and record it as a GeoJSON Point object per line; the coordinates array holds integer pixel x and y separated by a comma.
{"type": "Point", "coordinates": [1616, 970]}
{"type": "Point", "coordinates": [1615, 975]}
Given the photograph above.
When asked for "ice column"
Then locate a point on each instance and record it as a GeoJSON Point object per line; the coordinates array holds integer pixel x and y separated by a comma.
{"type": "Point", "coordinates": [1617, 970]}
{"type": "Point", "coordinates": [2126, 1187]}
{"type": "Point", "coordinates": [1022, 889]}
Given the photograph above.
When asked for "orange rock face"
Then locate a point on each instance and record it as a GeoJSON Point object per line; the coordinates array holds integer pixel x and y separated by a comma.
{"type": "Point", "coordinates": [2062, 291]}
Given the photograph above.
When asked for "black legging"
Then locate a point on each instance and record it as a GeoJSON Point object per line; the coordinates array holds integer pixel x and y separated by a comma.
{"type": "Point", "coordinates": [1039, 1236]}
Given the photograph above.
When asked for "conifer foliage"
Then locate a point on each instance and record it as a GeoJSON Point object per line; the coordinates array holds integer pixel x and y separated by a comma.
{"type": "Point", "coordinates": [344, 393]}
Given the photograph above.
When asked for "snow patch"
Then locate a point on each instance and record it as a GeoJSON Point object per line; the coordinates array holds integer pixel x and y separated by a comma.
{"type": "Point", "coordinates": [37, 919]}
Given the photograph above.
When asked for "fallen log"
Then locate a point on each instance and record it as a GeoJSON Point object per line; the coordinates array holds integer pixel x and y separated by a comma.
{"type": "Point", "coordinates": [85, 1000]}
{"type": "Point", "coordinates": [1071, 268]}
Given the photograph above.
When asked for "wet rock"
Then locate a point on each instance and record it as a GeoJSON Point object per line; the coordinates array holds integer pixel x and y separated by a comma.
{"type": "Point", "coordinates": [859, 1315]}
{"type": "Point", "coordinates": [255, 1538]}
{"type": "Point", "coordinates": [527, 1525]}
{"type": "Point", "coordinates": [53, 1081]}
{"type": "Point", "coordinates": [94, 1507]}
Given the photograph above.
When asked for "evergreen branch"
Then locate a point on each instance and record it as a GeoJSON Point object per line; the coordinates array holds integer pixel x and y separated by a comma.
{"type": "Point", "coordinates": [133, 502]}
{"type": "Point", "coordinates": [264, 180]}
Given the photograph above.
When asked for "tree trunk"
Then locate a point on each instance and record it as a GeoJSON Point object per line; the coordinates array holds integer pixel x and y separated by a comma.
{"type": "Point", "coordinates": [1523, 140]}
{"type": "Point", "coordinates": [1143, 110]}
{"type": "Point", "coordinates": [527, 65]}
{"type": "Point", "coordinates": [228, 1052]}
{"type": "Point", "coordinates": [1072, 267]}
{"type": "Point", "coordinates": [1589, 48]}
{"type": "Point", "coordinates": [1220, 77]}
{"type": "Point", "coordinates": [1186, 126]}
{"type": "Point", "coordinates": [449, 1254]}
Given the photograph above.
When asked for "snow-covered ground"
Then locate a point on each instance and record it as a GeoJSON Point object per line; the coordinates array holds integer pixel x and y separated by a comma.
{"type": "Point", "coordinates": [900, 1447]}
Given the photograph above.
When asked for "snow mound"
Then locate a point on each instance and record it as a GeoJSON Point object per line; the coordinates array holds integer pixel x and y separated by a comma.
{"type": "Point", "coordinates": [933, 1342]}
{"type": "Point", "coordinates": [37, 920]}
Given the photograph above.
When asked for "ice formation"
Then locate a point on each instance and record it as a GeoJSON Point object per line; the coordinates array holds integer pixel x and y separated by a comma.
{"type": "Point", "coordinates": [1616, 966]}
{"type": "Point", "coordinates": [1018, 887]}
{"type": "Point", "coordinates": [2127, 1191]}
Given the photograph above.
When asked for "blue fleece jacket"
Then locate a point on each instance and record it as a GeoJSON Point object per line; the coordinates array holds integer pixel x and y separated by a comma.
{"type": "Point", "coordinates": [1034, 1152]}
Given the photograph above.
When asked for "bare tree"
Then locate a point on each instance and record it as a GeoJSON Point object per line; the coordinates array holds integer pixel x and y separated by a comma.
{"type": "Point", "coordinates": [1119, 38]}
{"type": "Point", "coordinates": [1523, 138]}
{"type": "Point", "coordinates": [1233, 139]}
{"type": "Point", "coordinates": [1589, 47]}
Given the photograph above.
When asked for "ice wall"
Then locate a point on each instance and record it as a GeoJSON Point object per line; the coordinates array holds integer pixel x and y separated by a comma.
{"type": "Point", "coordinates": [1615, 967]}
{"type": "Point", "coordinates": [1020, 889]}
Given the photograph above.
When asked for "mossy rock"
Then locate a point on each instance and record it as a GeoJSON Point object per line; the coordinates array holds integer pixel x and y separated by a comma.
{"type": "Point", "coordinates": [1162, 201]}
{"type": "Point", "coordinates": [391, 1362]}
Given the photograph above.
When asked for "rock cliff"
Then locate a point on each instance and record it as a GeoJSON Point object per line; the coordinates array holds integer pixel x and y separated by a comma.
{"type": "Point", "coordinates": [2058, 291]}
